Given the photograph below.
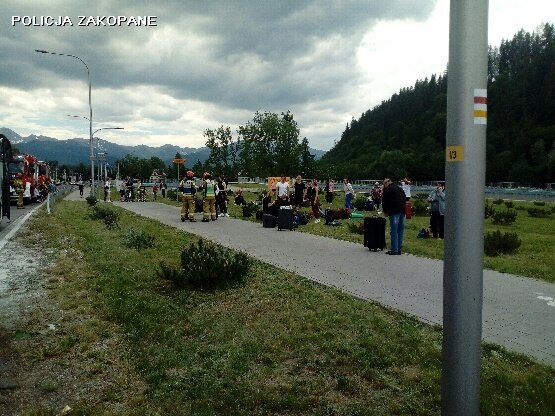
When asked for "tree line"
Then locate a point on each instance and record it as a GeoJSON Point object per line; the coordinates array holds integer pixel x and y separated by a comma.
{"type": "Point", "coordinates": [405, 135]}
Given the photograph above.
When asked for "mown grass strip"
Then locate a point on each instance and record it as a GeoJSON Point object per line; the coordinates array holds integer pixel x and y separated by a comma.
{"type": "Point", "coordinates": [278, 345]}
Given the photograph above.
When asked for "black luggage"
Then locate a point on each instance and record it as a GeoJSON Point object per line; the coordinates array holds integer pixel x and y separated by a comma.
{"type": "Point", "coordinates": [269, 221]}
{"type": "Point", "coordinates": [285, 219]}
{"type": "Point", "coordinates": [368, 205]}
{"type": "Point", "coordinates": [259, 215]}
{"type": "Point", "coordinates": [374, 233]}
{"type": "Point", "coordinates": [329, 216]}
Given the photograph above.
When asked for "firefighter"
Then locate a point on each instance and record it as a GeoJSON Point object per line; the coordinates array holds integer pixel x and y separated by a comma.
{"type": "Point", "coordinates": [188, 190]}
{"type": "Point", "coordinates": [209, 202]}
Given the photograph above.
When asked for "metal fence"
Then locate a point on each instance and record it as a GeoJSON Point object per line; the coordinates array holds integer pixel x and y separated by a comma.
{"type": "Point", "coordinates": [57, 193]}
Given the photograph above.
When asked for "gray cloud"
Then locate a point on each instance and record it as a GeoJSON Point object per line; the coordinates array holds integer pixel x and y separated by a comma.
{"type": "Point", "coordinates": [246, 54]}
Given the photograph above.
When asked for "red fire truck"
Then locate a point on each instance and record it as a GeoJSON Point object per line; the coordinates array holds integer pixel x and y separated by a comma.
{"type": "Point", "coordinates": [5, 158]}
{"type": "Point", "coordinates": [24, 167]}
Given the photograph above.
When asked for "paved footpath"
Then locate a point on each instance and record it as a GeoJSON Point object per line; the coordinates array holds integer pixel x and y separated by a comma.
{"type": "Point", "coordinates": [518, 312]}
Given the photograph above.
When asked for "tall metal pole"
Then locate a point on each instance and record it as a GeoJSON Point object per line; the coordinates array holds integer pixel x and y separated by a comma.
{"type": "Point", "coordinates": [90, 110]}
{"type": "Point", "coordinates": [464, 214]}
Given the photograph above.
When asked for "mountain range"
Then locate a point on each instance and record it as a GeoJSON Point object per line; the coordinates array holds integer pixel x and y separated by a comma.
{"type": "Point", "coordinates": [75, 151]}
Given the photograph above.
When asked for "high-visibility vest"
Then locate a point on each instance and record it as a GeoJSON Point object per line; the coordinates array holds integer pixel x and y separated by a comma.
{"type": "Point", "coordinates": [187, 187]}
{"type": "Point", "coordinates": [209, 188]}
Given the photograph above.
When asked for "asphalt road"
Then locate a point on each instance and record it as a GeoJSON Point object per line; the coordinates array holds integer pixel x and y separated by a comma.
{"type": "Point", "coordinates": [15, 217]}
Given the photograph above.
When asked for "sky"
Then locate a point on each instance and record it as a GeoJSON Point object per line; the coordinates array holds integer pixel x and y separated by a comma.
{"type": "Point", "coordinates": [212, 63]}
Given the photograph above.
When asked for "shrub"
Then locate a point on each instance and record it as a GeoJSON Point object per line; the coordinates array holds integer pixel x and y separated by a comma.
{"type": "Point", "coordinates": [249, 209]}
{"type": "Point", "coordinates": [489, 210]}
{"type": "Point", "coordinates": [497, 201]}
{"type": "Point", "coordinates": [504, 217]}
{"type": "Point", "coordinates": [539, 203]}
{"type": "Point", "coordinates": [496, 243]}
{"type": "Point", "coordinates": [420, 207]}
{"type": "Point", "coordinates": [419, 197]}
{"type": "Point", "coordinates": [138, 239]}
{"type": "Point", "coordinates": [107, 214]}
{"type": "Point", "coordinates": [172, 194]}
{"type": "Point", "coordinates": [341, 214]}
{"type": "Point", "coordinates": [359, 202]}
{"type": "Point", "coordinates": [173, 274]}
{"type": "Point", "coordinates": [538, 212]}
{"type": "Point", "coordinates": [207, 266]}
{"type": "Point", "coordinates": [520, 208]}
{"type": "Point", "coordinates": [356, 228]}
{"type": "Point", "coordinates": [91, 200]}
{"type": "Point", "coordinates": [509, 204]}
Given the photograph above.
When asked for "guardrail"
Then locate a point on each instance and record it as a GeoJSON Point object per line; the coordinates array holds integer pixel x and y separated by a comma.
{"type": "Point", "coordinates": [57, 193]}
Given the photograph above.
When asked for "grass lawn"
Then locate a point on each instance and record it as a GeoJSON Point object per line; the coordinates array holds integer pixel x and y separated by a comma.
{"type": "Point", "coordinates": [533, 259]}
{"type": "Point", "coordinates": [280, 344]}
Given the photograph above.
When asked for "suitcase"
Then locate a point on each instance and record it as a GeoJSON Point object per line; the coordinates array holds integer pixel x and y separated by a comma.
{"type": "Point", "coordinates": [408, 210]}
{"type": "Point", "coordinates": [328, 214]}
{"type": "Point", "coordinates": [269, 221]}
{"type": "Point", "coordinates": [368, 205]}
{"type": "Point", "coordinates": [285, 219]}
{"type": "Point", "coordinates": [374, 233]}
{"type": "Point", "coordinates": [259, 215]}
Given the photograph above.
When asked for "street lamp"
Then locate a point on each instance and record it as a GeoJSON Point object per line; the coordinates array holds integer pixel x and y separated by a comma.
{"type": "Point", "coordinates": [90, 108]}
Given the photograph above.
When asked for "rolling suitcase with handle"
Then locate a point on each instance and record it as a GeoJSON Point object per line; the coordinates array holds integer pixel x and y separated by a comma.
{"type": "Point", "coordinates": [374, 233]}
{"type": "Point", "coordinates": [269, 221]}
{"type": "Point", "coordinates": [285, 219]}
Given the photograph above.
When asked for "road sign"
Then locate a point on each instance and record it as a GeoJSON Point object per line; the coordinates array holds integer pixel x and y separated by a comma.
{"type": "Point", "coordinates": [179, 161]}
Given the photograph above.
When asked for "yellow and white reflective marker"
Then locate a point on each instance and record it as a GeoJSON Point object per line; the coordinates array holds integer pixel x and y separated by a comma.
{"type": "Point", "coordinates": [454, 153]}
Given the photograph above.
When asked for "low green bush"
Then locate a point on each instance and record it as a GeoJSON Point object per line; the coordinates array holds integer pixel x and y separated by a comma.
{"type": "Point", "coordinates": [105, 213]}
{"type": "Point", "coordinates": [91, 200]}
{"type": "Point", "coordinates": [356, 228]}
{"type": "Point", "coordinates": [249, 209]}
{"type": "Point", "coordinates": [509, 204]}
{"type": "Point", "coordinates": [341, 214]}
{"type": "Point", "coordinates": [172, 194]}
{"type": "Point", "coordinates": [538, 212]}
{"type": "Point", "coordinates": [419, 196]}
{"type": "Point", "coordinates": [207, 266]}
{"type": "Point", "coordinates": [139, 239]}
{"type": "Point", "coordinates": [497, 201]}
{"type": "Point", "coordinates": [420, 207]}
{"type": "Point", "coordinates": [489, 210]}
{"type": "Point", "coordinates": [504, 217]}
{"type": "Point", "coordinates": [496, 243]}
{"type": "Point", "coordinates": [359, 202]}
{"type": "Point", "coordinates": [539, 203]}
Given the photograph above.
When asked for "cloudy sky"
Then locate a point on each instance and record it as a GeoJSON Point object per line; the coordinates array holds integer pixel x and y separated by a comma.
{"type": "Point", "coordinates": [211, 63]}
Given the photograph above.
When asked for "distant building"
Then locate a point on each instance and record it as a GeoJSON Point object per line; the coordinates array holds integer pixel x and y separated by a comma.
{"type": "Point", "coordinates": [157, 177]}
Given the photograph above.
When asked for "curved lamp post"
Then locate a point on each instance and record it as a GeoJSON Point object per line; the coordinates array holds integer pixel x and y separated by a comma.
{"type": "Point", "coordinates": [90, 108]}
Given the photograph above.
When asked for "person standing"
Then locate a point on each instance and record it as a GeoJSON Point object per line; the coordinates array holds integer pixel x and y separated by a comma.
{"type": "Point", "coordinates": [300, 191]}
{"type": "Point", "coordinates": [315, 200]}
{"type": "Point", "coordinates": [81, 185]}
{"type": "Point", "coordinates": [393, 205]}
{"type": "Point", "coordinates": [376, 195]}
{"type": "Point", "coordinates": [122, 188]}
{"type": "Point", "coordinates": [405, 185]}
{"type": "Point", "coordinates": [329, 191]}
{"type": "Point", "coordinates": [282, 188]}
{"type": "Point", "coordinates": [163, 188]}
{"type": "Point", "coordinates": [437, 210]}
{"type": "Point", "coordinates": [222, 196]}
{"type": "Point", "coordinates": [107, 186]}
{"type": "Point", "coordinates": [155, 190]}
{"type": "Point", "coordinates": [188, 190]}
{"type": "Point", "coordinates": [209, 202]}
{"type": "Point", "coordinates": [349, 193]}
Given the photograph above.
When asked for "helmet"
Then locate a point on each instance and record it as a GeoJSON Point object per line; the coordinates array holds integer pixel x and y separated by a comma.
{"type": "Point", "coordinates": [190, 174]}
{"type": "Point", "coordinates": [205, 175]}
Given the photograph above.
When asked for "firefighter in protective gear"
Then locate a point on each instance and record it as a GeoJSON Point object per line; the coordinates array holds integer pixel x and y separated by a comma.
{"type": "Point", "coordinates": [187, 190]}
{"type": "Point", "coordinates": [209, 202]}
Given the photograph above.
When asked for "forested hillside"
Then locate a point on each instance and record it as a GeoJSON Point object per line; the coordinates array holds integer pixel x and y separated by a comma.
{"type": "Point", "coordinates": [405, 135]}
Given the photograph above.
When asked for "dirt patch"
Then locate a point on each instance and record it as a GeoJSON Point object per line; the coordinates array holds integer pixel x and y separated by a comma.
{"type": "Point", "coordinates": [54, 350]}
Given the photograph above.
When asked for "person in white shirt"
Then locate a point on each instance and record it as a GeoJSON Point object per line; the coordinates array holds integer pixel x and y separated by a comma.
{"type": "Point", "coordinates": [349, 193]}
{"type": "Point", "coordinates": [282, 188]}
{"type": "Point", "coordinates": [405, 185]}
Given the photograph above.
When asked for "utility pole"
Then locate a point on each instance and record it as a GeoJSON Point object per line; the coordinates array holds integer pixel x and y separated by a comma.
{"type": "Point", "coordinates": [464, 214]}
